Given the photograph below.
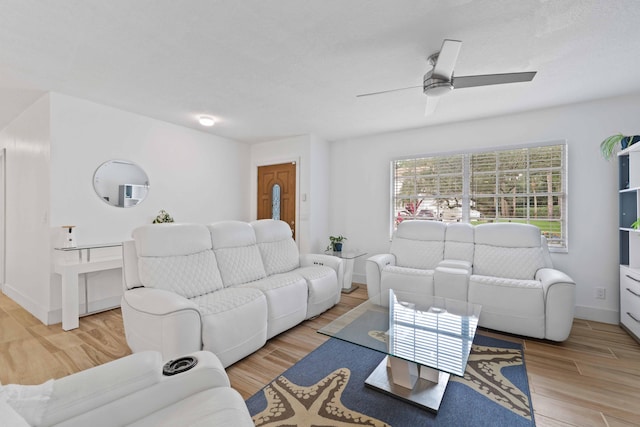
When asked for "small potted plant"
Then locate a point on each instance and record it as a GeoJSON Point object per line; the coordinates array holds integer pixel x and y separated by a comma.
{"type": "Point", "coordinates": [609, 145]}
{"type": "Point", "coordinates": [163, 217]}
{"type": "Point", "coordinates": [335, 243]}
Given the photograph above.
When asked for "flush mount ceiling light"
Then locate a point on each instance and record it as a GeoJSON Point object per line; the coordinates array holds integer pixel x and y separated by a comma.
{"type": "Point", "coordinates": [207, 121]}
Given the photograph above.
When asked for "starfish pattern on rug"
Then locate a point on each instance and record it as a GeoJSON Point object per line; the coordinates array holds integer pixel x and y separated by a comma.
{"type": "Point", "coordinates": [320, 404]}
{"type": "Point", "coordinates": [484, 375]}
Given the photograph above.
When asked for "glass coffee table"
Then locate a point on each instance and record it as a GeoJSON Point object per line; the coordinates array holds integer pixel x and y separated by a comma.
{"type": "Point", "coordinates": [425, 338]}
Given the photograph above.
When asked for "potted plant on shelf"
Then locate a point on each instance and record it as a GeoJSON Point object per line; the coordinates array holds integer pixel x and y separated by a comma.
{"type": "Point", "coordinates": [335, 243]}
{"type": "Point", "coordinates": [610, 144]}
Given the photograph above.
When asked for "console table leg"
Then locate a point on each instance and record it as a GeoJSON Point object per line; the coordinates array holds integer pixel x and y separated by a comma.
{"type": "Point", "coordinates": [70, 301]}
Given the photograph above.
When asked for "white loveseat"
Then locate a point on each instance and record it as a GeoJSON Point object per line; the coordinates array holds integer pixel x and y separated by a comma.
{"type": "Point", "coordinates": [504, 267]}
{"type": "Point", "coordinates": [131, 391]}
{"type": "Point", "coordinates": [225, 287]}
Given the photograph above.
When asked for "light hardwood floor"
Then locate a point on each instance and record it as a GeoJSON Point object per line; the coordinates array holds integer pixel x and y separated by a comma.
{"type": "Point", "coordinates": [592, 379]}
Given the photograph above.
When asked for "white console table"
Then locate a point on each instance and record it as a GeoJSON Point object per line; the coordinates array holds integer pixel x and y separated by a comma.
{"type": "Point", "coordinates": [71, 271]}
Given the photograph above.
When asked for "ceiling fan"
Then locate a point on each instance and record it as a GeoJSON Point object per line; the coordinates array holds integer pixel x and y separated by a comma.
{"type": "Point", "coordinates": [440, 79]}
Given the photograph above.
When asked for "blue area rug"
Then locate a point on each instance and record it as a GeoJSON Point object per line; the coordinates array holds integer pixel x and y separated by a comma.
{"type": "Point", "coordinates": [327, 388]}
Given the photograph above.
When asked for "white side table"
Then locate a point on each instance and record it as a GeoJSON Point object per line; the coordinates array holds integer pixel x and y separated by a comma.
{"type": "Point", "coordinates": [71, 271]}
{"type": "Point", "coordinates": [349, 256]}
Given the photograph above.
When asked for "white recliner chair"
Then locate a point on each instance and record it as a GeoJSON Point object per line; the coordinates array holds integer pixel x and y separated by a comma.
{"type": "Point", "coordinates": [416, 250]}
{"type": "Point", "coordinates": [132, 391]}
{"type": "Point", "coordinates": [514, 280]}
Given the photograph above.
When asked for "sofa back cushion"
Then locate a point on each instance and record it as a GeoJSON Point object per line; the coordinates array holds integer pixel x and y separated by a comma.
{"type": "Point", "coordinates": [177, 258]}
{"type": "Point", "coordinates": [237, 253]}
{"type": "Point", "coordinates": [508, 250]}
{"type": "Point", "coordinates": [458, 242]}
{"type": "Point", "coordinates": [277, 247]}
{"type": "Point", "coordinates": [419, 244]}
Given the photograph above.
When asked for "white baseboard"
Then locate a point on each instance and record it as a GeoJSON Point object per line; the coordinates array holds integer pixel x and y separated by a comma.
{"type": "Point", "coordinates": [359, 278]}
{"type": "Point", "coordinates": [597, 314]}
{"type": "Point", "coordinates": [55, 316]}
{"type": "Point", "coordinates": [51, 317]}
{"type": "Point", "coordinates": [27, 303]}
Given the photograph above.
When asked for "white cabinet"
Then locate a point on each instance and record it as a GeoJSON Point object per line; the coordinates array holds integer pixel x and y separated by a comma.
{"type": "Point", "coordinates": [629, 212]}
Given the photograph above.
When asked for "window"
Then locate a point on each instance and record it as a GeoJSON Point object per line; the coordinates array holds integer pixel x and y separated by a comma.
{"type": "Point", "coordinates": [525, 184]}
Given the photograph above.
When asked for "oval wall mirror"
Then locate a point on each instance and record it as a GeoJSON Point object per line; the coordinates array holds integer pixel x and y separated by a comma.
{"type": "Point", "coordinates": [121, 183]}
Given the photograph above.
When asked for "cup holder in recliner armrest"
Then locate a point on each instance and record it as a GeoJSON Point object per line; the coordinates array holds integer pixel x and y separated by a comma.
{"type": "Point", "coordinates": [179, 365]}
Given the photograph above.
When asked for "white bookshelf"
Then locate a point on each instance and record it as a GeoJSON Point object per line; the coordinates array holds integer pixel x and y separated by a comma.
{"type": "Point", "coordinates": [629, 212]}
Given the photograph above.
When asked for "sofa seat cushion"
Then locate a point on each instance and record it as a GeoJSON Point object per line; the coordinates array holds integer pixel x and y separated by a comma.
{"type": "Point", "coordinates": [323, 288]}
{"type": "Point", "coordinates": [509, 305]}
{"type": "Point", "coordinates": [186, 275]}
{"type": "Point", "coordinates": [408, 280]}
{"type": "Point", "coordinates": [242, 309]}
{"type": "Point", "coordinates": [221, 406]}
{"type": "Point", "coordinates": [286, 296]}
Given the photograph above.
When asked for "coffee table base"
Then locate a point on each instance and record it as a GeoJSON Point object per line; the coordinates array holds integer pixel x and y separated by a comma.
{"type": "Point", "coordinates": [424, 394]}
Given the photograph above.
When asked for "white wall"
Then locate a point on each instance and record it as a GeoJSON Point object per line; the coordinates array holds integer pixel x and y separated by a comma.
{"type": "Point", "coordinates": [195, 176]}
{"type": "Point", "coordinates": [312, 191]}
{"type": "Point", "coordinates": [28, 256]}
{"type": "Point", "coordinates": [362, 188]}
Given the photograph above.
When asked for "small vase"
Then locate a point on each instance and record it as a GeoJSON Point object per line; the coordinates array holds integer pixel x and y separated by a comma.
{"type": "Point", "coordinates": [337, 247]}
{"type": "Point", "coordinates": [69, 236]}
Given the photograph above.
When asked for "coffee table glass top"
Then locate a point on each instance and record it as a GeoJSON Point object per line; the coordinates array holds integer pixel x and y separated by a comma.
{"type": "Point", "coordinates": [430, 331]}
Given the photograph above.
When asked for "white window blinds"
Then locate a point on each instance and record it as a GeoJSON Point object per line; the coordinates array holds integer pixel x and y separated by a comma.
{"type": "Point", "coordinates": [525, 185]}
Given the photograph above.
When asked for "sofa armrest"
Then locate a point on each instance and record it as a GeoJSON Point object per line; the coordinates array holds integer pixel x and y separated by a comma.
{"type": "Point", "coordinates": [374, 267]}
{"type": "Point", "coordinates": [157, 301]}
{"type": "Point", "coordinates": [86, 390]}
{"type": "Point", "coordinates": [307, 260]}
{"type": "Point", "coordinates": [162, 321]}
{"type": "Point", "coordinates": [127, 389]}
{"type": "Point", "coordinates": [559, 297]}
{"type": "Point", "coordinates": [331, 261]}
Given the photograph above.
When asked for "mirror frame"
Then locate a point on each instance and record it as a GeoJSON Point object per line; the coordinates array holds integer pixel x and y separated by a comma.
{"type": "Point", "coordinates": [129, 191]}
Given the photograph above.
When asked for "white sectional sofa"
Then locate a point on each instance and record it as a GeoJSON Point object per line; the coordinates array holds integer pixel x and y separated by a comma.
{"type": "Point", "coordinates": [131, 391]}
{"type": "Point", "coordinates": [225, 287]}
{"type": "Point", "coordinates": [505, 267]}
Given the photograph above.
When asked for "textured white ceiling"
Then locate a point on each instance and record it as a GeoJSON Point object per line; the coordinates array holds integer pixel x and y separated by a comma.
{"type": "Point", "coordinates": [270, 69]}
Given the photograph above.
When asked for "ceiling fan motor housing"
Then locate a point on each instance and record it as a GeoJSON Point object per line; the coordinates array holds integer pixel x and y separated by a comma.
{"type": "Point", "coordinates": [436, 87]}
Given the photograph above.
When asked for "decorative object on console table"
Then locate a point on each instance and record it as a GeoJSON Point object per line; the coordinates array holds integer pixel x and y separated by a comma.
{"type": "Point", "coordinates": [163, 217]}
{"type": "Point", "coordinates": [610, 144]}
{"type": "Point", "coordinates": [69, 236]}
{"type": "Point", "coordinates": [335, 244]}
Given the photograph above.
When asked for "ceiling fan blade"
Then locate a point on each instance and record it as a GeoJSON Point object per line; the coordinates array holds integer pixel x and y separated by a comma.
{"type": "Point", "coordinates": [447, 58]}
{"type": "Point", "coordinates": [492, 79]}
{"type": "Point", "coordinates": [387, 91]}
{"type": "Point", "coordinates": [432, 102]}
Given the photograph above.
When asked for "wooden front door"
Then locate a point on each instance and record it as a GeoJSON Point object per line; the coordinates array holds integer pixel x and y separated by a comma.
{"type": "Point", "coordinates": [277, 193]}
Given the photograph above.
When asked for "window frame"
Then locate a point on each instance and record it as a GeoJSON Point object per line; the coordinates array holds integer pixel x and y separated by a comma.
{"type": "Point", "coordinates": [467, 175]}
